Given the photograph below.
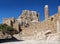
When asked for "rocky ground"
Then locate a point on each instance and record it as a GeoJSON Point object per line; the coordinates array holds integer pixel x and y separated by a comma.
{"type": "Point", "coordinates": [33, 42]}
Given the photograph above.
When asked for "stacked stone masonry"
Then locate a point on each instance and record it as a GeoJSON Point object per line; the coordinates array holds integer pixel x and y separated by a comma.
{"type": "Point", "coordinates": [30, 26]}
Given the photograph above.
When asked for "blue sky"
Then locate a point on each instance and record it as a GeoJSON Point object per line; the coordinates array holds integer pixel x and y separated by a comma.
{"type": "Point", "coordinates": [10, 8]}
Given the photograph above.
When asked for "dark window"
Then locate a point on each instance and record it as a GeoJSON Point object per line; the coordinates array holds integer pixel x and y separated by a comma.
{"type": "Point", "coordinates": [52, 19]}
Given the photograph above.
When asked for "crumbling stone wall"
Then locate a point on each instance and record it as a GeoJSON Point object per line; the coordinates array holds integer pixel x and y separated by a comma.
{"type": "Point", "coordinates": [32, 28]}
{"type": "Point", "coordinates": [9, 21]}
{"type": "Point", "coordinates": [29, 16]}
{"type": "Point", "coordinates": [16, 26]}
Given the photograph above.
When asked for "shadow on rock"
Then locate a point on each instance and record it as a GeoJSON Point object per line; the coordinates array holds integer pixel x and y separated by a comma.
{"type": "Point", "coordinates": [9, 40]}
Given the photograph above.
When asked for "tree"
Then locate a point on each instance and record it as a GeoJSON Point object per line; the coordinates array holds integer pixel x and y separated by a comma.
{"type": "Point", "coordinates": [7, 29]}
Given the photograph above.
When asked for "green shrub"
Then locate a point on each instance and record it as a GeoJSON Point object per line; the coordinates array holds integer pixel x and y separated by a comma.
{"type": "Point", "coordinates": [7, 29]}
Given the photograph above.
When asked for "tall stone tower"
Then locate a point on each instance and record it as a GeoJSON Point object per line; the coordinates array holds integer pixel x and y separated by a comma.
{"type": "Point", "coordinates": [58, 10]}
{"type": "Point", "coordinates": [46, 11]}
{"type": "Point", "coordinates": [58, 21]}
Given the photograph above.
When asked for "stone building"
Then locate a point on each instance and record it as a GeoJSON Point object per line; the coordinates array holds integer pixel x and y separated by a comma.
{"type": "Point", "coordinates": [32, 28]}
